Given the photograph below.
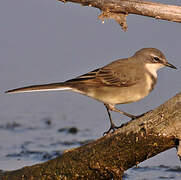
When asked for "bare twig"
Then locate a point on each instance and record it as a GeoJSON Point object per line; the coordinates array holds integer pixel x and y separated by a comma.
{"type": "Point", "coordinates": [118, 9]}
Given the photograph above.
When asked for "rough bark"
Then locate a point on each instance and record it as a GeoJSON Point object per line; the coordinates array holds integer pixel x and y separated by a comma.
{"type": "Point", "coordinates": [109, 156]}
{"type": "Point", "coordinates": [119, 9]}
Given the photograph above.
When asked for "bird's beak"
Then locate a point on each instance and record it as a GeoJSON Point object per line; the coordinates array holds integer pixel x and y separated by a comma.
{"type": "Point", "coordinates": [170, 65]}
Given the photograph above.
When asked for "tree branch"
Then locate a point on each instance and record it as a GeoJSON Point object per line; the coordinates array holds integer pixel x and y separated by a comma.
{"type": "Point", "coordinates": [119, 9]}
{"type": "Point", "coordinates": [109, 156]}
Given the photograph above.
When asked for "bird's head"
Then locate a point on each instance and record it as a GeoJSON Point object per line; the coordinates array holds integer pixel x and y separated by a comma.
{"type": "Point", "coordinates": [153, 59]}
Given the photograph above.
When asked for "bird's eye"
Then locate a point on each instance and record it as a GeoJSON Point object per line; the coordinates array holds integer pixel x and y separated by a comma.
{"type": "Point", "coordinates": [156, 59]}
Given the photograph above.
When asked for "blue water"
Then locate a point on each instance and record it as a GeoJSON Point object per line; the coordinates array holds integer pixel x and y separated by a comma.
{"type": "Point", "coordinates": [23, 144]}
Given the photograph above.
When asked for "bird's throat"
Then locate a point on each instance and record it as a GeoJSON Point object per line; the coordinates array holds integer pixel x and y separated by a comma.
{"type": "Point", "coordinates": [153, 68]}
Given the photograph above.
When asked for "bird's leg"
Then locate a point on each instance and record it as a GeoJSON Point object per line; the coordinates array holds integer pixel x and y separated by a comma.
{"type": "Point", "coordinates": [112, 108]}
{"type": "Point", "coordinates": [109, 108]}
{"type": "Point", "coordinates": [112, 126]}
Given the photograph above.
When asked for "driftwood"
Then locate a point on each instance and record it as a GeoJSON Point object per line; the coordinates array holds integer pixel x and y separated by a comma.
{"type": "Point", "coordinates": [109, 156]}
{"type": "Point", "coordinates": [119, 9]}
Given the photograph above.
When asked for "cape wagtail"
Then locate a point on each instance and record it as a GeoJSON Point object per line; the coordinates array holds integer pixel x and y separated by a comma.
{"type": "Point", "coordinates": [120, 82]}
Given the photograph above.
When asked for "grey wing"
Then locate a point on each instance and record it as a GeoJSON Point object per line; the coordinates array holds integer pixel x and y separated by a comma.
{"type": "Point", "coordinates": [116, 78]}
{"type": "Point", "coordinates": [122, 73]}
{"type": "Point", "coordinates": [106, 76]}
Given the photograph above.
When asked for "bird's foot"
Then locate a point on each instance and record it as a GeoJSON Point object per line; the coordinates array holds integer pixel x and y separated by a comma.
{"type": "Point", "coordinates": [112, 128]}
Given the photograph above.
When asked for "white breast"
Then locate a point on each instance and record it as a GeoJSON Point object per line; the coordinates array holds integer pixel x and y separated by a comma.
{"type": "Point", "coordinates": [153, 68]}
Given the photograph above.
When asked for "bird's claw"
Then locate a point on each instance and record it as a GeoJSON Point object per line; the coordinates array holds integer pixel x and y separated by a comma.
{"type": "Point", "coordinates": [112, 128]}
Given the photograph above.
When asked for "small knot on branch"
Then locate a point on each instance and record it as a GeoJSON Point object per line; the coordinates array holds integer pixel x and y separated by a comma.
{"type": "Point", "coordinates": [120, 18]}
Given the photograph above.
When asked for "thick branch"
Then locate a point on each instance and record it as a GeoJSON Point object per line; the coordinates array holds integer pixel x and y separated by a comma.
{"type": "Point", "coordinates": [112, 154]}
{"type": "Point", "coordinates": [115, 8]}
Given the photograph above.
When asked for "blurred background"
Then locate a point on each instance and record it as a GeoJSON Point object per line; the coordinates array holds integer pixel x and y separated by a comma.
{"type": "Point", "coordinates": [43, 41]}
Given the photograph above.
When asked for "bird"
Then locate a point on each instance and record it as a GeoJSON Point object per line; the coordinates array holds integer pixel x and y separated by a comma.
{"type": "Point", "coordinates": [122, 81]}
